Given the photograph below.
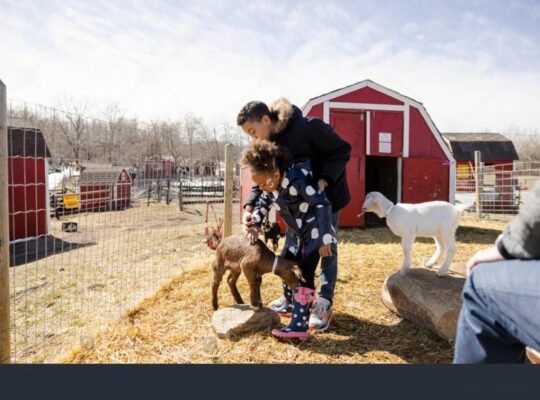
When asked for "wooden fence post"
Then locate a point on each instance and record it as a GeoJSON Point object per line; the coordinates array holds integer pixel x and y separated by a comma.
{"type": "Point", "coordinates": [180, 196]}
{"type": "Point", "coordinates": [228, 198]}
{"type": "Point", "coordinates": [5, 348]}
{"type": "Point", "coordinates": [478, 182]}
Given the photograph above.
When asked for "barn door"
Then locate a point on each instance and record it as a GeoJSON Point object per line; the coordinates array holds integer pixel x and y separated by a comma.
{"type": "Point", "coordinates": [424, 179]}
{"type": "Point", "coordinates": [351, 127]}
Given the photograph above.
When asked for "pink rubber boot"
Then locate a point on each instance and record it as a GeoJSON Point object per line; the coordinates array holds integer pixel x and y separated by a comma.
{"type": "Point", "coordinates": [298, 328]}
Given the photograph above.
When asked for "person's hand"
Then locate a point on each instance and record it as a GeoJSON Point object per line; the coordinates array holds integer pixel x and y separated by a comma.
{"type": "Point", "coordinates": [322, 184]}
{"type": "Point", "coordinates": [485, 255]}
{"type": "Point", "coordinates": [325, 250]}
{"type": "Point", "coordinates": [247, 218]}
{"type": "Point", "coordinates": [253, 233]}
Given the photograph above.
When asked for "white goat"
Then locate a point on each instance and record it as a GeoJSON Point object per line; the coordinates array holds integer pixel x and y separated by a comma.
{"type": "Point", "coordinates": [437, 219]}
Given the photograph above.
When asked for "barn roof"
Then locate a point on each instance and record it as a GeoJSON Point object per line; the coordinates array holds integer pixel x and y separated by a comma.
{"type": "Point", "coordinates": [407, 101]}
{"type": "Point", "coordinates": [493, 146]}
{"type": "Point", "coordinates": [354, 86]}
{"type": "Point", "coordinates": [27, 142]}
{"type": "Point", "coordinates": [102, 176]}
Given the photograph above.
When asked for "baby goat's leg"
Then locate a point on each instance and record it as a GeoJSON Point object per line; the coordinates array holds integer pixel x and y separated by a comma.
{"type": "Point", "coordinates": [406, 244]}
{"type": "Point", "coordinates": [219, 269]}
{"type": "Point", "coordinates": [231, 280]}
{"type": "Point", "coordinates": [254, 285]}
{"type": "Point", "coordinates": [438, 252]}
{"type": "Point", "coordinates": [258, 282]}
{"type": "Point", "coordinates": [449, 241]}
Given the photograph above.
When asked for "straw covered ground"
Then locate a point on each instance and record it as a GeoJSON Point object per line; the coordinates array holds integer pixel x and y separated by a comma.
{"type": "Point", "coordinates": [173, 326]}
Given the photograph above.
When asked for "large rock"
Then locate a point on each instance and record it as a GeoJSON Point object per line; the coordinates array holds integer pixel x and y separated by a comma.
{"type": "Point", "coordinates": [425, 299]}
{"type": "Point", "coordinates": [239, 319]}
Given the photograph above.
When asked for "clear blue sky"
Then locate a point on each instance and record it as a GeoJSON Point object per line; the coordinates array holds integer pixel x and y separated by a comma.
{"type": "Point", "coordinates": [475, 65]}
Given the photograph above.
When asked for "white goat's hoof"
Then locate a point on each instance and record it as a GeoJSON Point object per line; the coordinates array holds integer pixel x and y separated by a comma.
{"type": "Point", "coordinates": [429, 264]}
{"type": "Point", "coordinates": [441, 274]}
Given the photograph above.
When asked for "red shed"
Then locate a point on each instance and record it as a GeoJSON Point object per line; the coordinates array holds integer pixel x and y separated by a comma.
{"type": "Point", "coordinates": [105, 190]}
{"type": "Point", "coordinates": [496, 150]}
{"type": "Point", "coordinates": [27, 183]}
{"type": "Point", "coordinates": [157, 167]}
{"type": "Point", "coordinates": [396, 148]}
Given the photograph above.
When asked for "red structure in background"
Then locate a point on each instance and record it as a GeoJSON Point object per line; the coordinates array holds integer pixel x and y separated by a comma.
{"type": "Point", "coordinates": [498, 155]}
{"type": "Point", "coordinates": [157, 167]}
{"type": "Point", "coordinates": [105, 190]}
{"type": "Point", "coordinates": [27, 183]}
{"type": "Point", "coordinates": [396, 148]}
{"type": "Point", "coordinates": [496, 150]}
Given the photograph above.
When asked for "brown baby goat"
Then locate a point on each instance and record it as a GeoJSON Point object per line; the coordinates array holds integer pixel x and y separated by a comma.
{"type": "Point", "coordinates": [236, 254]}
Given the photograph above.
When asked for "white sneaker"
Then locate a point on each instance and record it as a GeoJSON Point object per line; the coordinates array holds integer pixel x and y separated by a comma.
{"type": "Point", "coordinates": [281, 305]}
{"type": "Point", "coordinates": [321, 315]}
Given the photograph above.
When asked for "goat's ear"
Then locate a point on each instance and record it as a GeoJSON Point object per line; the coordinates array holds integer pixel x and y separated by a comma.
{"type": "Point", "coordinates": [298, 273]}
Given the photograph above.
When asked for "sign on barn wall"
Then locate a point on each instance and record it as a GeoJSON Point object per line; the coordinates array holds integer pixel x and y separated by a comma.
{"type": "Point", "coordinates": [385, 142]}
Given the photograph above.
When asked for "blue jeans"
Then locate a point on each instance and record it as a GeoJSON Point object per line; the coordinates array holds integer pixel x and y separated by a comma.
{"type": "Point", "coordinates": [328, 274]}
{"type": "Point", "coordinates": [500, 313]}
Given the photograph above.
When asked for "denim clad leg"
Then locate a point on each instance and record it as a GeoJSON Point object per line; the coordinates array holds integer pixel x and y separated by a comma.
{"type": "Point", "coordinates": [500, 313]}
{"type": "Point", "coordinates": [328, 274]}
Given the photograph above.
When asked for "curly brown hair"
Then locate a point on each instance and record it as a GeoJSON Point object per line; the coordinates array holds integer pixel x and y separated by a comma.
{"type": "Point", "coordinates": [263, 156]}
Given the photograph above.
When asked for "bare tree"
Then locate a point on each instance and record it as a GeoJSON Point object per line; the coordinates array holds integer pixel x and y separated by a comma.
{"type": "Point", "coordinates": [74, 127]}
{"type": "Point", "coordinates": [115, 121]}
{"type": "Point", "coordinates": [191, 127]}
{"type": "Point", "coordinates": [526, 142]}
{"type": "Point", "coordinates": [154, 140]}
{"type": "Point", "coordinates": [171, 134]}
{"type": "Point", "coordinates": [71, 132]}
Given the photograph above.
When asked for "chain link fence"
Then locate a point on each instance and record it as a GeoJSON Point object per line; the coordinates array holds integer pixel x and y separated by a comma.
{"type": "Point", "coordinates": [89, 238]}
{"type": "Point", "coordinates": [496, 191]}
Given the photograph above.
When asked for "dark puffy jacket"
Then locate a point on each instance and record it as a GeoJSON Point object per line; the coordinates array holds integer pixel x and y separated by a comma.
{"type": "Point", "coordinates": [313, 139]}
{"type": "Point", "coordinates": [521, 236]}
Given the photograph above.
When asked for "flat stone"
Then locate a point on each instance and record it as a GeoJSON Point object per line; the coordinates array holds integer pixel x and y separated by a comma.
{"type": "Point", "coordinates": [426, 300]}
{"type": "Point", "coordinates": [240, 319]}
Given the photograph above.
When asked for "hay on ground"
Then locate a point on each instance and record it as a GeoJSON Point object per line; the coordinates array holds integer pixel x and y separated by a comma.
{"type": "Point", "coordinates": [174, 325]}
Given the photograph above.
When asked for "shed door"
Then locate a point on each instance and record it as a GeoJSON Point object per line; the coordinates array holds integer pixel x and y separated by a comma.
{"type": "Point", "coordinates": [351, 126]}
{"type": "Point", "coordinates": [424, 179]}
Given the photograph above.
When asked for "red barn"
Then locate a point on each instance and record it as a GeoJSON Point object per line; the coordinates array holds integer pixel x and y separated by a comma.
{"type": "Point", "coordinates": [27, 183]}
{"type": "Point", "coordinates": [396, 148]}
{"type": "Point", "coordinates": [105, 190]}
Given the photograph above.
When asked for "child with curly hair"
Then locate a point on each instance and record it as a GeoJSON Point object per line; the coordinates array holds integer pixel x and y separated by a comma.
{"type": "Point", "coordinates": [290, 188]}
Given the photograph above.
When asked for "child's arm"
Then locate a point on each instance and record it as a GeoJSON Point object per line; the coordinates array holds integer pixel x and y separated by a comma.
{"type": "Point", "coordinates": [262, 207]}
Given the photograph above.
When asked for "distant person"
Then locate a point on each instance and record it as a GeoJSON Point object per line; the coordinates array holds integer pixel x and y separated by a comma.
{"type": "Point", "coordinates": [500, 315]}
{"type": "Point", "coordinates": [284, 124]}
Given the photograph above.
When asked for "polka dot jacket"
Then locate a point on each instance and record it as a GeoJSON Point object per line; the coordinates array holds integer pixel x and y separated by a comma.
{"type": "Point", "coordinates": [306, 212]}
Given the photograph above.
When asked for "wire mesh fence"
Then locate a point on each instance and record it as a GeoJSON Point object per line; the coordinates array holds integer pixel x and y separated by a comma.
{"type": "Point", "coordinates": [496, 191]}
{"type": "Point", "coordinates": [90, 239]}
